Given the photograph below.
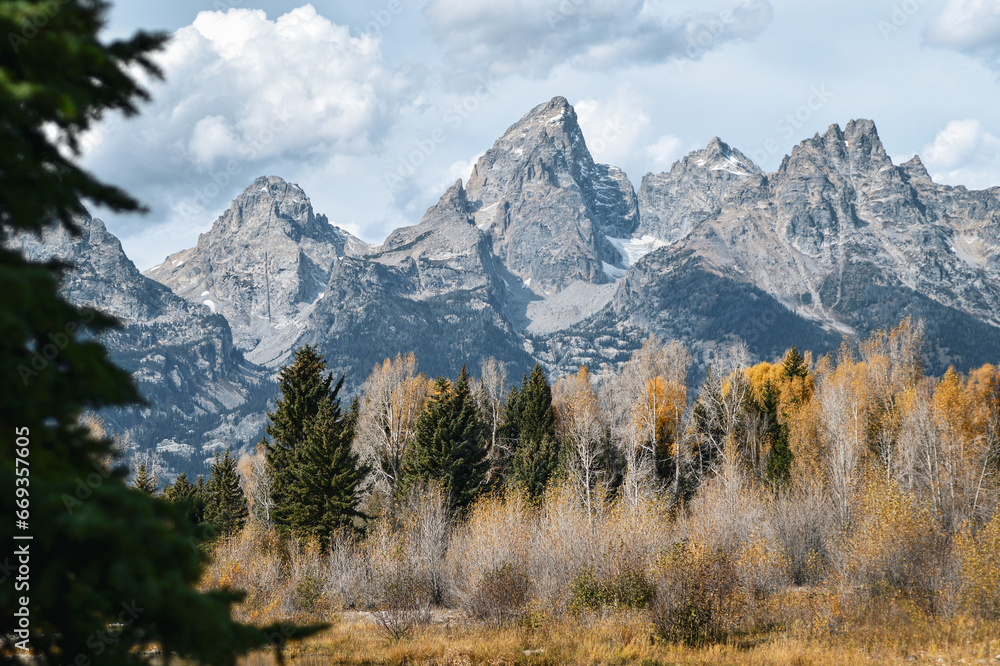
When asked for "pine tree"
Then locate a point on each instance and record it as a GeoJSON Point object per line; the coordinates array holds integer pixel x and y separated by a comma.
{"type": "Point", "coordinates": [144, 481]}
{"type": "Point", "coordinates": [305, 387]}
{"type": "Point", "coordinates": [59, 76]}
{"type": "Point", "coordinates": [200, 495]}
{"type": "Point", "coordinates": [794, 365]}
{"type": "Point", "coordinates": [449, 447]}
{"type": "Point", "coordinates": [537, 452]}
{"type": "Point", "coordinates": [779, 462]}
{"type": "Point", "coordinates": [185, 494]}
{"type": "Point", "coordinates": [225, 504]}
{"type": "Point", "coordinates": [328, 477]}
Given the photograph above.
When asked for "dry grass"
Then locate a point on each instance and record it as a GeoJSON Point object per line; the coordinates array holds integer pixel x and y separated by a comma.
{"type": "Point", "coordinates": [626, 638]}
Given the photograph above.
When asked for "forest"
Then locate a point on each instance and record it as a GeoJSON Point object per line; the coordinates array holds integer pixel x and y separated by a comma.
{"type": "Point", "coordinates": [796, 498]}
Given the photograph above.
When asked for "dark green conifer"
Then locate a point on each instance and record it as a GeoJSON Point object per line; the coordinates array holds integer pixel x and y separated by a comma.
{"type": "Point", "coordinates": [328, 477]}
{"type": "Point", "coordinates": [533, 427]}
{"type": "Point", "coordinates": [779, 462]}
{"type": "Point", "coordinates": [144, 481]}
{"type": "Point", "coordinates": [449, 447]}
{"type": "Point", "coordinates": [92, 552]}
{"type": "Point", "coordinates": [225, 503]}
{"type": "Point", "coordinates": [185, 494]}
{"type": "Point", "coordinates": [305, 387]}
{"type": "Point", "coordinates": [794, 365]}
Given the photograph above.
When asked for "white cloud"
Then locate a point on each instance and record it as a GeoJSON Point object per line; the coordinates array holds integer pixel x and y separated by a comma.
{"type": "Point", "coordinates": [244, 95]}
{"type": "Point", "coordinates": [616, 128]}
{"type": "Point", "coordinates": [534, 36]}
{"type": "Point", "coordinates": [964, 153]}
{"type": "Point", "coordinates": [667, 150]}
{"type": "Point", "coordinates": [458, 169]}
{"type": "Point", "coordinates": [971, 26]}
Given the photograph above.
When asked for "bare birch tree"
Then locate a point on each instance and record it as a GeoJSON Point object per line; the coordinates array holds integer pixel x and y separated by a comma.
{"type": "Point", "coordinates": [392, 398]}
{"type": "Point", "coordinates": [490, 391]}
{"type": "Point", "coordinates": [645, 402]}
{"type": "Point", "coordinates": [255, 479]}
{"type": "Point", "coordinates": [581, 424]}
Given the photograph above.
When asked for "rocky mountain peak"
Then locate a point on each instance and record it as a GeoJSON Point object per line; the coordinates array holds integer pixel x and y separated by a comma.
{"type": "Point", "coordinates": [452, 207]}
{"type": "Point", "coordinates": [262, 265]}
{"type": "Point", "coordinates": [548, 206]}
{"type": "Point", "coordinates": [914, 169]}
{"type": "Point", "coordinates": [865, 147]}
{"type": "Point", "coordinates": [695, 189]}
{"type": "Point", "coordinates": [842, 187]}
{"type": "Point", "coordinates": [272, 205]}
{"type": "Point", "coordinates": [856, 150]}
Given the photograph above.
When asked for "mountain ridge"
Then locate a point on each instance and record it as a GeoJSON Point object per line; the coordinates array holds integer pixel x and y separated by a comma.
{"type": "Point", "coordinates": [544, 255]}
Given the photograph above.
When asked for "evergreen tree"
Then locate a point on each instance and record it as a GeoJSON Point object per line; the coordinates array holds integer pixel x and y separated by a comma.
{"type": "Point", "coordinates": [225, 504]}
{"type": "Point", "coordinates": [794, 365]}
{"type": "Point", "coordinates": [328, 477]}
{"type": "Point", "coordinates": [185, 494]}
{"type": "Point", "coordinates": [509, 435]}
{"type": "Point", "coordinates": [90, 552]}
{"type": "Point", "coordinates": [449, 447]}
{"type": "Point", "coordinates": [779, 462]}
{"type": "Point", "coordinates": [305, 387]}
{"type": "Point", "coordinates": [533, 427]}
{"type": "Point", "coordinates": [144, 481]}
{"type": "Point", "coordinates": [200, 495]}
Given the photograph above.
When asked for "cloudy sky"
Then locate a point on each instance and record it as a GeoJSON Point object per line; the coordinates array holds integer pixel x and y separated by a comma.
{"type": "Point", "coordinates": [375, 107]}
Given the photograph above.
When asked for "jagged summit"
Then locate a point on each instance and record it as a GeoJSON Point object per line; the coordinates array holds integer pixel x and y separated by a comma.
{"type": "Point", "coordinates": [272, 205]}
{"type": "Point", "coordinates": [453, 207]}
{"type": "Point", "coordinates": [915, 169]}
{"type": "Point", "coordinates": [856, 149]}
{"type": "Point", "coordinates": [696, 188]}
{"type": "Point", "coordinates": [262, 265]}
{"type": "Point", "coordinates": [547, 205]}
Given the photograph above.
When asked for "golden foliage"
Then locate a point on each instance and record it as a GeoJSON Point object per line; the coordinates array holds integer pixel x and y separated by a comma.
{"type": "Point", "coordinates": [979, 554]}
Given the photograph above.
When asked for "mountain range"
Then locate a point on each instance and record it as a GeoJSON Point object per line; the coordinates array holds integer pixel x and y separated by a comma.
{"type": "Point", "coordinates": [544, 255]}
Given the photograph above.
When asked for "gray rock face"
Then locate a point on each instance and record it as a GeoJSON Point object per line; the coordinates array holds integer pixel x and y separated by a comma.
{"type": "Point", "coordinates": [547, 205]}
{"type": "Point", "coordinates": [263, 266]}
{"type": "Point", "coordinates": [696, 188]}
{"type": "Point", "coordinates": [838, 235]}
{"type": "Point", "coordinates": [435, 288]}
{"type": "Point", "coordinates": [446, 252]}
{"type": "Point", "coordinates": [202, 392]}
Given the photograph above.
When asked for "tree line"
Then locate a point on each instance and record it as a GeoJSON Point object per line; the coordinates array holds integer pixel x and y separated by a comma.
{"type": "Point", "coordinates": [629, 434]}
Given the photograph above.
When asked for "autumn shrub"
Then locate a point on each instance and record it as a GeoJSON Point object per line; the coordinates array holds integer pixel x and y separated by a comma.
{"type": "Point", "coordinates": [501, 596]}
{"type": "Point", "coordinates": [566, 539]}
{"type": "Point", "coordinates": [496, 534]}
{"type": "Point", "coordinates": [894, 549]}
{"type": "Point", "coordinates": [979, 557]}
{"type": "Point", "coordinates": [307, 576]}
{"type": "Point", "coordinates": [727, 510]}
{"type": "Point", "coordinates": [627, 587]}
{"type": "Point", "coordinates": [804, 523]}
{"type": "Point", "coordinates": [347, 575]}
{"type": "Point", "coordinates": [308, 591]}
{"type": "Point", "coordinates": [408, 544]}
{"type": "Point", "coordinates": [251, 561]}
{"type": "Point", "coordinates": [425, 531]}
{"type": "Point", "coordinates": [763, 569]}
{"type": "Point", "coordinates": [404, 604]}
{"type": "Point", "coordinates": [696, 595]}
